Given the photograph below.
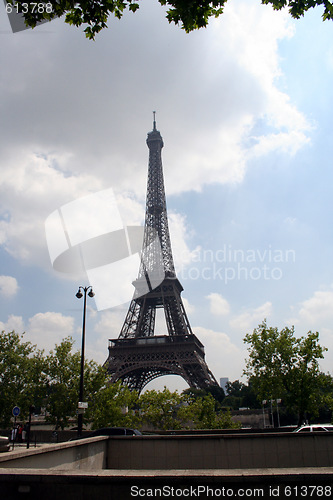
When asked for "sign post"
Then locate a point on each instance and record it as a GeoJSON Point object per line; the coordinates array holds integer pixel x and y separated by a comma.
{"type": "Point", "coordinates": [15, 412]}
{"type": "Point", "coordinates": [31, 410]}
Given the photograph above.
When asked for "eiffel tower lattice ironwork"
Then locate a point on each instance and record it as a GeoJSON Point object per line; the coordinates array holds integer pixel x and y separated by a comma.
{"type": "Point", "coordinates": [138, 356]}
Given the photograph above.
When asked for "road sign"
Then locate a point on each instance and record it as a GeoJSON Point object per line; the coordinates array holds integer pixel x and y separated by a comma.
{"type": "Point", "coordinates": [16, 411]}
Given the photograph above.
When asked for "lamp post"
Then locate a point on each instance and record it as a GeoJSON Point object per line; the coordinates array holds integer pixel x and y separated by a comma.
{"type": "Point", "coordinates": [79, 295]}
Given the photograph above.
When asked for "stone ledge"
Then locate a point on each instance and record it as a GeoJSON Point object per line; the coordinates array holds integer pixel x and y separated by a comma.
{"type": "Point", "coordinates": [22, 452]}
{"type": "Point", "coordinates": [174, 473]}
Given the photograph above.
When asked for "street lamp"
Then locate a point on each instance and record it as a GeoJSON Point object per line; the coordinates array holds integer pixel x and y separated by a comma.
{"type": "Point", "coordinates": [79, 295]}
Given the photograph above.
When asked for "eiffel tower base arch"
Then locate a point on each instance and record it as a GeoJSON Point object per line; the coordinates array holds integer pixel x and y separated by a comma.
{"type": "Point", "coordinates": [137, 361]}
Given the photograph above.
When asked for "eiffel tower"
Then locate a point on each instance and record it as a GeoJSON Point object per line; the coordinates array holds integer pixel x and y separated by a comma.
{"type": "Point", "coordinates": [138, 356]}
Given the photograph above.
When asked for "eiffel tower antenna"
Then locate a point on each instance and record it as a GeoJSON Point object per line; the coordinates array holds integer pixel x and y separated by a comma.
{"type": "Point", "coordinates": [138, 355]}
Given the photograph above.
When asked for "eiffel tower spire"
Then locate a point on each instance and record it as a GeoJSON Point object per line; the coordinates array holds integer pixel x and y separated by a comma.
{"type": "Point", "coordinates": [156, 220]}
{"type": "Point", "coordinates": [138, 355]}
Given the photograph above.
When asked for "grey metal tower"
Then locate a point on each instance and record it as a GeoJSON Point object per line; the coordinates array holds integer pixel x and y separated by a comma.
{"type": "Point", "coordinates": [138, 355]}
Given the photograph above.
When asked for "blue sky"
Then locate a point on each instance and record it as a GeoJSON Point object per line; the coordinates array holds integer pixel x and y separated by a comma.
{"type": "Point", "coordinates": [244, 108]}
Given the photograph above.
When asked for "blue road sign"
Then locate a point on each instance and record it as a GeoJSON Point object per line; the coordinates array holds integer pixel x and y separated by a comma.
{"type": "Point", "coordinates": [16, 411]}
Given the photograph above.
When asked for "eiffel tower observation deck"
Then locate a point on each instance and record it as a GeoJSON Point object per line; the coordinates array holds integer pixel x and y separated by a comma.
{"type": "Point", "coordinates": [139, 355]}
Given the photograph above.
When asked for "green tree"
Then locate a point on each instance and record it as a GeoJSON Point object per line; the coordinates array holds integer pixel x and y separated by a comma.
{"type": "Point", "coordinates": [114, 405]}
{"type": "Point", "coordinates": [21, 375]}
{"type": "Point", "coordinates": [63, 376]}
{"type": "Point", "coordinates": [189, 14]}
{"type": "Point", "coordinates": [306, 384]}
{"type": "Point", "coordinates": [29, 378]}
{"type": "Point", "coordinates": [214, 390]}
{"type": "Point", "coordinates": [240, 395]}
{"type": "Point", "coordinates": [282, 366]}
{"type": "Point", "coordinates": [159, 409]}
{"type": "Point", "coordinates": [63, 370]}
{"type": "Point", "coordinates": [200, 413]}
{"type": "Point", "coordinates": [193, 409]}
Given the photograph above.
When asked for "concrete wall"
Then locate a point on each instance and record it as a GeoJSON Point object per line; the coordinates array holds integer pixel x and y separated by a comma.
{"type": "Point", "coordinates": [85, 454]}
{"type": "Point", "coordinates": [231, 465]}
{"type": "Point", "coordinates": [233, 451]}
{"type": "Point", "coordinates": [230, 451]}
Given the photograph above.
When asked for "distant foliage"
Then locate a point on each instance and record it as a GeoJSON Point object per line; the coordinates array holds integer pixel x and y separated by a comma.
{"type": "Point", "coordinates": [50, 383]}
{"type": "Point", "coordinates": [279, 366]}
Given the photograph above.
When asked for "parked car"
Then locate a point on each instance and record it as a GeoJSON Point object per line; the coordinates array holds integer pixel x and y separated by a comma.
{"type": "Point", "coordinates": [4, 443]}
{"type": "Point", "coordinates": [315, 428]}
{"type": "Point", "coordinates": [110, 431]}
{"type": "Point", "coordinates": [114, 431]}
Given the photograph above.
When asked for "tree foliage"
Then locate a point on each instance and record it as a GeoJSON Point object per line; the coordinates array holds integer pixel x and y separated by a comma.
{"type": "Point", "coordinates": [193, 409]}
{"type": "Point", "coordinates": [201, 413]}
{"type": "Point", "coordinates": [189, 14]}
{"type": "Point", "coordinates": [240, 395]}
{"type": "Point", "coordinates": [283, 366]}
{"type": "Point", "coordinates": [28, 377]}
{"type": "Point", "coordinates": [63, 370]}
{"type": "Point", "coordinates": [159, 409]}
{"type": "Point", "coordinates": [21, 375]}
{"type": "Point", "coordinates": [114, 405]}
{"type": "Point", "coordinates": [63, 377]}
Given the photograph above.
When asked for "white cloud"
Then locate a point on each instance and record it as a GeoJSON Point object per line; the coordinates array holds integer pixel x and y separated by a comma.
{"type": "Point", "coordinates": [316, 314]}
{"type": "Point", "coordinates": [8, 286]}
{"type": "Point", "coordinates": [28, 197]}
{"type": "Point", "coordinates": [220, 82]}
{"type": "Point", "coordinates": [218, 305]}
{"type": "Point", "coordinates": [14, 323]}
{"type": "Point", "coordinates": [223, 357]}
{"type": "Point", "coordinates": [131, 208]}
{"type": "Point", "coordinates": [250, 319]}
{"type": "Point", "coordinates": [105, 325]}
{"type": "Point", "coordinates": [287, 142]}
{"type": "Point", "coordinates": [318, 310]}
{"type": "Point", "coordinates": [50, 328]}
{"type": "Point", "coordinates": [254, 39]}
{"type": "Point", "coordinates": [189, 308]}
{"type": "Point", "coordinates": [179, 234]}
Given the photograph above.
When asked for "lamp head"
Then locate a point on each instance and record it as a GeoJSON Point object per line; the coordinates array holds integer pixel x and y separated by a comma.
{"type": "Point", "coordinates": [79, 294]}
{"type": "Point", "coordinates": [91, 293]}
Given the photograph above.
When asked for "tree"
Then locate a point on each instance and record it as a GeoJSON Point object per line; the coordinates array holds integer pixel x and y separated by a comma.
{"type": "Point", "coordinates": [113, 405]}
{"type": "Point", "coordinates": [189, 14]}
{"type": "Point", "coordinates": [282, 366]}
{"type": "Point", "coordinates": [193, 409]}
{"type": "Point", "coordinates": [63, 376]}
{"type": "Point", "coordinates": [21, 375]}
{"type": "Point", "coordinates": [159, 409]}
{"type": "Point", "coordinates": [214, 390]}
{"type": "Point", "coordinates": [240, 395]}
{"type": "Point", "coordinates": [200, 413]}
{"type": "Point", "coordinates": [29, 378]}
{"type": "Point", "coordinates": [63, 369]}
